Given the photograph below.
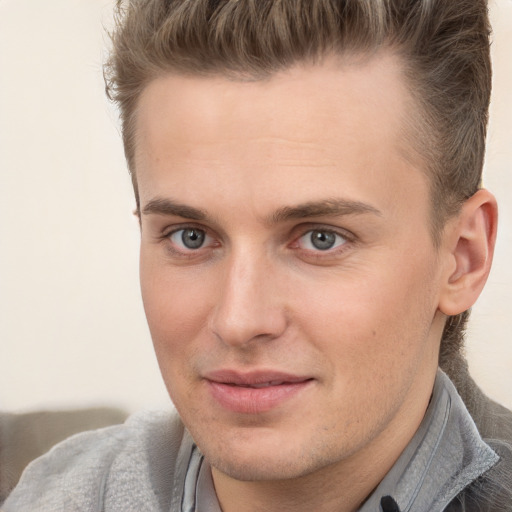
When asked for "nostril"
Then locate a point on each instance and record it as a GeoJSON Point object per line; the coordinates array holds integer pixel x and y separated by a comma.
{"type": "Point", "coordinates": [388, 504]}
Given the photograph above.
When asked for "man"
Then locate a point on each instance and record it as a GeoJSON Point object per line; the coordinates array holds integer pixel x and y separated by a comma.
{"type": "Point", "coordinates": [313, 233]}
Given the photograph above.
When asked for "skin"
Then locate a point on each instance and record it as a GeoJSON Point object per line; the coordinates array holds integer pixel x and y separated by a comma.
{"type": "Point", "coordinates": [361, 320]}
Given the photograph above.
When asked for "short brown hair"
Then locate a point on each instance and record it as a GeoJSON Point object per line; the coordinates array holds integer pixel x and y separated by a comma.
{"type": "Point", "coordinates": [443, 44]}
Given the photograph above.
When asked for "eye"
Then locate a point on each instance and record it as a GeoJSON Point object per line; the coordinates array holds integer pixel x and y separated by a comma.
{"type": "Point", "coordinates": [189, 238]}
{"type": "Point", "coordinates": [321, 240]}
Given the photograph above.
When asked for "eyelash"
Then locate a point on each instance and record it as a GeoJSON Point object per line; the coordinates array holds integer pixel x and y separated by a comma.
{"type": "Point", "coordinates": [304, 231]}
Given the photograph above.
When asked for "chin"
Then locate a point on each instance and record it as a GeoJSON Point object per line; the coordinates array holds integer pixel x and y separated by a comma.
{"type": "Point", "coordinates": [261, 468]}
{"type": "Point", "coordinates": [264, 459]}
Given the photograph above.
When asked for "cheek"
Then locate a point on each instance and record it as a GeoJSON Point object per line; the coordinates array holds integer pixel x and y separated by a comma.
{"type": "Point", "coordinates": [176, 315]}
{"type": "Point", "coordinates": [176, 306]}
{"type": "Point", "coordinates": [370, 318]}
{"type": "Point", "coordinates": [371, 337]}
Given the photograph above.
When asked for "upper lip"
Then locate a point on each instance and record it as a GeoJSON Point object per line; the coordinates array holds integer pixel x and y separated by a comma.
{"type": "Point", "coordinates": [254, 377]}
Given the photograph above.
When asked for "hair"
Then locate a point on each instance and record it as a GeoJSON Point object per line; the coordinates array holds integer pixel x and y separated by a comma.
{"type": "Point", "coordinates": [443, 46]}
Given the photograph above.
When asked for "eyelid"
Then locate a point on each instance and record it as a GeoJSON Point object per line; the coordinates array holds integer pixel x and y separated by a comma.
{"type": "Point", "coordinates": [303, 229]}
{"type": "Point", "coordinates": [180, 226]}
{"type": "Point", "coordinates": [169, 230]}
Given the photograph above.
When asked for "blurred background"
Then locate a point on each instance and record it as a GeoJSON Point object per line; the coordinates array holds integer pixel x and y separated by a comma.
{"type": "Point", "coordinates": [72, 327]}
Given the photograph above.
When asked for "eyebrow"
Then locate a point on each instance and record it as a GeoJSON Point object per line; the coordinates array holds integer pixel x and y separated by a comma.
{"type": "Point", "coordinates": [162, 206]}
{"type": "Point", "coordinates": [325, 207]}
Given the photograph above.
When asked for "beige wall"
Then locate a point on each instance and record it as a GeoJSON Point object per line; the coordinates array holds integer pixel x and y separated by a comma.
{"type": "Point", "coordinates": [72, 328]}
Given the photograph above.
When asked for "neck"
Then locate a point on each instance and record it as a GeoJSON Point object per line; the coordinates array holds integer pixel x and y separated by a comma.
{"type": "Point", "coordinates": [323, 491]}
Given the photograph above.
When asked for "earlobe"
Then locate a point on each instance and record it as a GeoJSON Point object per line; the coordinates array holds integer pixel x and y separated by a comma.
{"type": "Point", "coordinates": [471, 240]}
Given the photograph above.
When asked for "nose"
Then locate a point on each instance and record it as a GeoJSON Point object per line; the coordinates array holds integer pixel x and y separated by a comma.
{"type": "Point", "coordinates": [250, 307]}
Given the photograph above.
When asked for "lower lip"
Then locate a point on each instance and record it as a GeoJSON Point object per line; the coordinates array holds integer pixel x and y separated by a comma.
{"type": "Point", "coordinates": [255, 400]}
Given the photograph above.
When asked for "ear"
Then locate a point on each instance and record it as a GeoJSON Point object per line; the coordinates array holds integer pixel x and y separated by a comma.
{"type": "Point", "coordinates": [469, 241]}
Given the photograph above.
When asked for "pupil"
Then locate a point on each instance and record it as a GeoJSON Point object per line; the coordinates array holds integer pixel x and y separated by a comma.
{"type": "Point", "coordinates": [192, 238]}
{"type": "Point", "coordinates": [323, 240]}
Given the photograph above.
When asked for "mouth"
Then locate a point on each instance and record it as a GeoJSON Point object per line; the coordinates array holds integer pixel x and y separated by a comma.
{"type": "Point", "coordinates": [254, 392]}
{"type": "Point", "coordinates": [259, 385]}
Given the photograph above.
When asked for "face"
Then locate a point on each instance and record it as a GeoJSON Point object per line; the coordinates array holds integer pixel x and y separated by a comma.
{"type": "Point", "coordinates": [288, 273]}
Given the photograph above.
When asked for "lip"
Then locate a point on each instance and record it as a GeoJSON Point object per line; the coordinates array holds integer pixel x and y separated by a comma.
{"type": "Point", "coordinates": [254, 392]}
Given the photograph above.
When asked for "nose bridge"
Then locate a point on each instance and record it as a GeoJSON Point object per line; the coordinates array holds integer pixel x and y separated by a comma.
{"type": "Point", "coordinates": [249, 305]}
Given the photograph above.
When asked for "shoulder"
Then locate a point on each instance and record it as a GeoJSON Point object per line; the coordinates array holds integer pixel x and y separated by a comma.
{"type": "Point", "coordinates": [26, 436]}
{"type": "Point", "coordinates": [492, 420]}
{"type": "Point", "coordinates": [491, 492]}
{"type": "Point", "coordinates": [114, 468]}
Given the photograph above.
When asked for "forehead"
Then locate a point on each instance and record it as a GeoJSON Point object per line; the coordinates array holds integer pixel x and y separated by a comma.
{"type": "Point", "coordinates": [350, 90]}
{"type": "Point", "coordinates": [341, 119]}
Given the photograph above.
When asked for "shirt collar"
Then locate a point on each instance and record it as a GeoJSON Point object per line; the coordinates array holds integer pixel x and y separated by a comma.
{"type": "Point", "coordinates": [445, 455]}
